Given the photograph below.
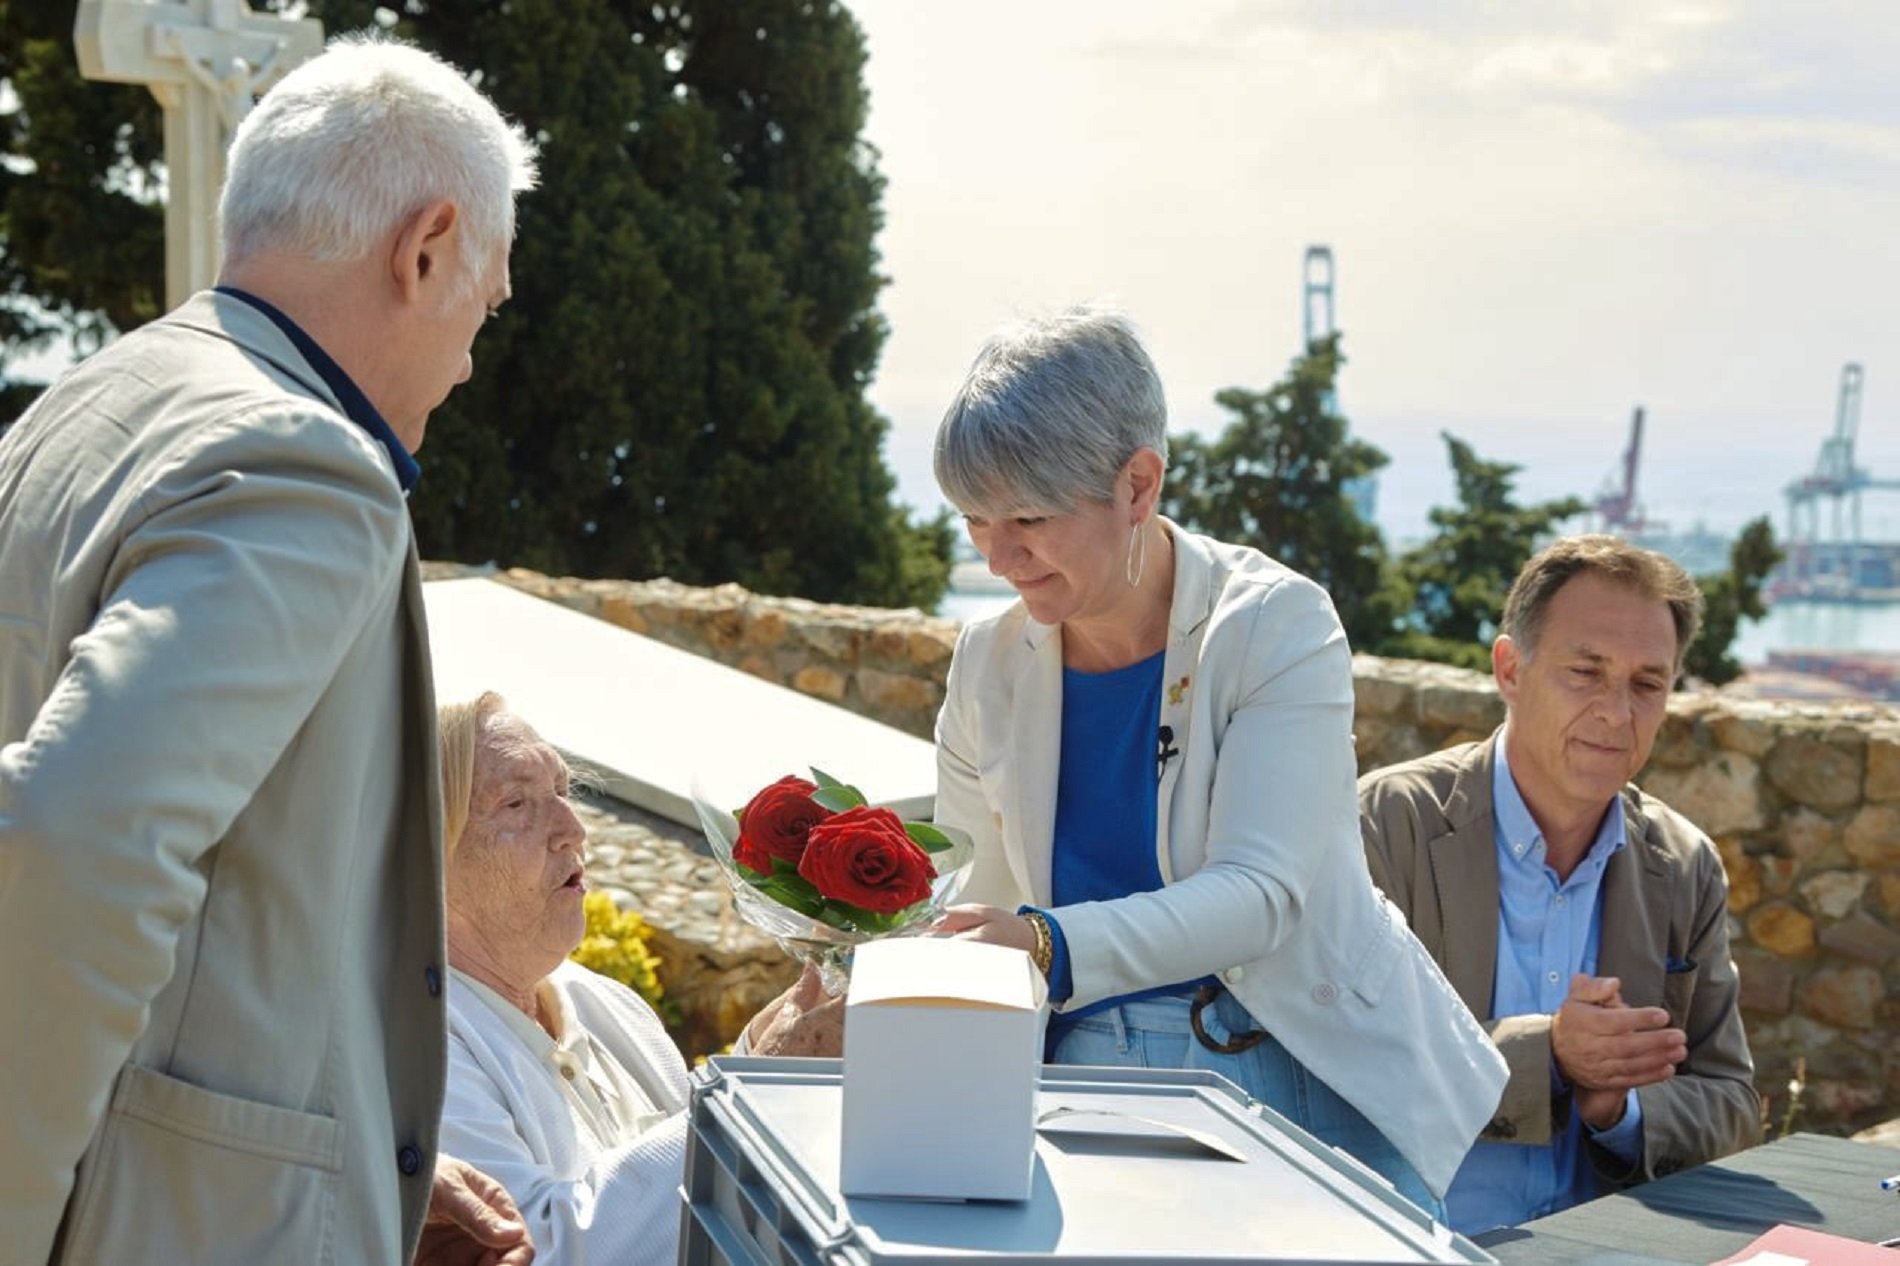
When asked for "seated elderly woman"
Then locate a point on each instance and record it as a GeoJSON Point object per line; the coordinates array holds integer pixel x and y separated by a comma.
{"type": "Point", "coordinates": [563, 1086]}
{"type": "Point", "coordinates": [1153, 750]}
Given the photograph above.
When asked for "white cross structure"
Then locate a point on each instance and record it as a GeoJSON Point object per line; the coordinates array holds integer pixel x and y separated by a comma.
{"type": "Point", "coordinates": [205, 61]}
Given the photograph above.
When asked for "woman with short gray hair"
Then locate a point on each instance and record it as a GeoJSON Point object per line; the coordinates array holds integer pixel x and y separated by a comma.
{"type": "Point", "coordinates": [1153, 751]}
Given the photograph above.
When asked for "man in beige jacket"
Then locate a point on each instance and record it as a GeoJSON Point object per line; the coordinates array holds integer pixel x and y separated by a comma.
{"type": "Point", "coordinates": [1584, 922]}
{"type": "Point", "coordinates": [221, 929]}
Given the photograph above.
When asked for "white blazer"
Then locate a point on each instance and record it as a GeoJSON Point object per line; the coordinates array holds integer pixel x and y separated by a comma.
{"type": "Point", "coordinates": [1257, 838]}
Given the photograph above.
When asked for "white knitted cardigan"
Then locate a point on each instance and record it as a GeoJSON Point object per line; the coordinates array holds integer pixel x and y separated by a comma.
{"type": "Point", "coordinates": [507, 1114]}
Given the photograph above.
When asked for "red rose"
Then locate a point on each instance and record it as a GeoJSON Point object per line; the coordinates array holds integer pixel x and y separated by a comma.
{"type": "Point", "coordinates": [864, 857]}
{"type": "Point", "coordinates": [776, 823]}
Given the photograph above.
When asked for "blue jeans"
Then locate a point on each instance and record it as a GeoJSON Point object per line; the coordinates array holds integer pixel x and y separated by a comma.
{"type": "Point", "coordinates": [1154, 1033]}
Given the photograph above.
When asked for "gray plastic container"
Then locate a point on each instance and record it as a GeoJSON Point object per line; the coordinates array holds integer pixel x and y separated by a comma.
{"type": "Point", "coordinates": [761, 1184]}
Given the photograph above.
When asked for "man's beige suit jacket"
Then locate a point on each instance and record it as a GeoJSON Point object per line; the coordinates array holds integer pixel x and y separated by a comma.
{"type": "Point", "coordinates": [221, 933]}
{"type": "Point", "coordinates": [1431, 844]}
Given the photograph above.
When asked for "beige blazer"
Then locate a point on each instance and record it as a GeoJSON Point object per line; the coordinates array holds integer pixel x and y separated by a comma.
{"type": "Point", "coordinates": [221, 930]}
{"type": "Point", "coordinates": [1256, 838]}
{"type": "Point", "coordinates": [1431, 842]}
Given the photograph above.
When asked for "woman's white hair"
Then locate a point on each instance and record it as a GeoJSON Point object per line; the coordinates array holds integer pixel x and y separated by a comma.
{"type": "Point", "coordinates": [358, 138]}
{"type": "Point", "coordinates": [1049, 413]}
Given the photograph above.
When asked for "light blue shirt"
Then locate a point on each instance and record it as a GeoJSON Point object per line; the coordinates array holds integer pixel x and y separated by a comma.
{"type": "Point", "coordinates": [1548, 930]}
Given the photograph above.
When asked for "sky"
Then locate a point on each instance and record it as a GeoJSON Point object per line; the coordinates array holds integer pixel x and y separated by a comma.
{"type": "Point", "coordinates": [1542, 216]}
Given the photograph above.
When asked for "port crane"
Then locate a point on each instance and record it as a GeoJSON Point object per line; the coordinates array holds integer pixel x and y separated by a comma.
{"type": "Point", "coordinates": [1316, 303]}
{"type": "Point", "coordinates": [1616, 505]}
{"type": "Point", "coordinates": [1843, 564]}
{"type": "Point", "coordinates": [1317, 294]}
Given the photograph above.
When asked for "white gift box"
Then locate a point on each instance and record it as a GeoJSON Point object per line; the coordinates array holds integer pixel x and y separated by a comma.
{"type": "Point", "coordinates": [942, 1047]}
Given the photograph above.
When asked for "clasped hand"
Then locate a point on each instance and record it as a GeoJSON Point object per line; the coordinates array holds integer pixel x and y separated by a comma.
{"type": "Point", "coordinates": [1605, 1048]}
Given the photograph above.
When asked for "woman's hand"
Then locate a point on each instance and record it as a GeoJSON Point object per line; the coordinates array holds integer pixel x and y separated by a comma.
{"type": "Point", "coordinates": [991, 925]}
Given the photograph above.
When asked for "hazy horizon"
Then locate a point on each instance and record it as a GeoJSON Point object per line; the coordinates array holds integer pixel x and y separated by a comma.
{"type": "Point", "coordinates": [1542, 216]}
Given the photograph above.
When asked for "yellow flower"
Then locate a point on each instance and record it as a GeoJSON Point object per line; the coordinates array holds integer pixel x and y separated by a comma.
{"type": "Point", "coordinates": [615, 945]}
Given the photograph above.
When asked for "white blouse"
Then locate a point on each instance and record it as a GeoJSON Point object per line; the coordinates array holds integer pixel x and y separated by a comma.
{"type": "Point", "coordinates": [587, 1131]}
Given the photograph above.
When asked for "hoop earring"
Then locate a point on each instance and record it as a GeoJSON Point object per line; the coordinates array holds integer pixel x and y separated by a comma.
{"type": "Point", "coordinates": [1137, 560]}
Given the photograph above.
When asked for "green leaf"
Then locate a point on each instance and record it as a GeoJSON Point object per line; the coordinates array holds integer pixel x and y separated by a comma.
{"type": "Point", "coordinates": [928, 837]}
{"type": "Point", "coordinates": [792, 893]}
{"type": "Point", "coordinates": [850, 918]}
{"type": "Point", "coordinates": [837, 797]}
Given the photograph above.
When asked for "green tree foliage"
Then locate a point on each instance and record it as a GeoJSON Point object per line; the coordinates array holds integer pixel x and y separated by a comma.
{"type": "Point", "coordinates": [1730, 597]}
{"type": "Point", "coordinates": [678, 386]}
{"type": "Point", "coordinates": [82, 235]}
{"type": "Point", "coordinates": [1455, 582]}
{"type": "Point", "coordinates": [1276, 478]}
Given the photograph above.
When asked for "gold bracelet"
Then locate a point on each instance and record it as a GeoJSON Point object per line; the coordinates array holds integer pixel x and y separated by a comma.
{"type": "Point", "coordinates": [1043, 956]}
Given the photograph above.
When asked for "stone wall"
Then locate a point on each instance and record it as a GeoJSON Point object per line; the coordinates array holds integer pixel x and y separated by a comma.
{"type": "Point", "coordinates": [1803, 802]}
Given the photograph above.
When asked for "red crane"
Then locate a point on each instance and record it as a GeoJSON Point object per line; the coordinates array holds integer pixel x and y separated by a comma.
{"type": "Point", "coordinates": [1618, 507]}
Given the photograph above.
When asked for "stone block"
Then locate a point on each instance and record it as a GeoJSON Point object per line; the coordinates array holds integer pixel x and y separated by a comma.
{"type": "Point", "coordinates": [1379, 742]}
{"type": "Point", "coordinates": [1720, 794]}
{"type": "Point", "coordinates": [761, 667]}
{"type": "Point", "coordinates": [620, 610]}
{"type": "Point", "coordinates": [1778, 874]}
{"type": "Point", "coordinates": [1883, 764]}
{"type": "Point", "coordinates": [724, 630]}
{"type": "Point", "coordinates": [765, 630]}
{"type": "Point", "coordinates": [1375, 696]}
{"type": "Point", "coordinates": [1460, 707]}
{"type": "Point", "coordinates": [888, 642]}
{"type": "Point", "coordinates": [1809, 835]}
{"type": "Point", "coordinates": [1872, 837]}
{"type": "Point", "coordinates": [1864, 937]}
{"type": "Point", "coordinates": [1781, 929]}
{"type": "Point", "coordinates": [1843, 1061]}
{"type": "Point", "coordinates": [1368, 736]}
{"type": "Point", "coordinates": [1845, 997]}
{"type": "Point", "coordinates": [1834, 894]}
{"type": "Point", "coordinates": [931, 647]}
{"type": "Point", "coordinates": [1890, 895]}
{"type": "Point", "coordinates": [1676, 746]}
{"type": "Point", "coordinates": [1767, 982]}
{"type": "Point", "coordinates": [1839, 1103]}
{"type": "Point", "coordinates": [897, 691]}
{"type": "Point", "coordinates": [1752, 733]}
{"type": "Point", "coordinates": [822, 682]}
{"type": "Point", "coordinates": [1744, 875]}
{"type": "Point", "coordinates": [829, 638]}
{"type": "Point", "coordinates": [1808, 769]}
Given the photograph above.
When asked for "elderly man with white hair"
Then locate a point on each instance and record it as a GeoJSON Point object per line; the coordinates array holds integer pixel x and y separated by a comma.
{"type": "Point", "coordinates": [221, 927]}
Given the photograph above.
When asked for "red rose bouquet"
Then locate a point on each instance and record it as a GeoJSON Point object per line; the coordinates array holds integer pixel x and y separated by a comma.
{"type": "Point", "coordinates": [821, 870]}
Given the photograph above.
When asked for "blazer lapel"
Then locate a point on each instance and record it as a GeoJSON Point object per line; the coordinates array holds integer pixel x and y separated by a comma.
{"type": "Point", "coordinates": [1465, 874]}
{"type": "Point", "coordinates": [1635, 903]}
{"type": "Point", "coordinates": [1036, 748]}
{"type": "Point", "coordinates": [1191, 604]}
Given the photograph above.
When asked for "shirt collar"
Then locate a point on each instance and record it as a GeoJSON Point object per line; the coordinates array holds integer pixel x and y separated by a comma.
{"type": "Point", "coordinates": [356, 405]}
{"type": "Point", "coordinates": [1520, 841]}
{"type": "Point", "coordinates": [519, 1022]}
{"type": "Point", "coordinates": [574, 1047]}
